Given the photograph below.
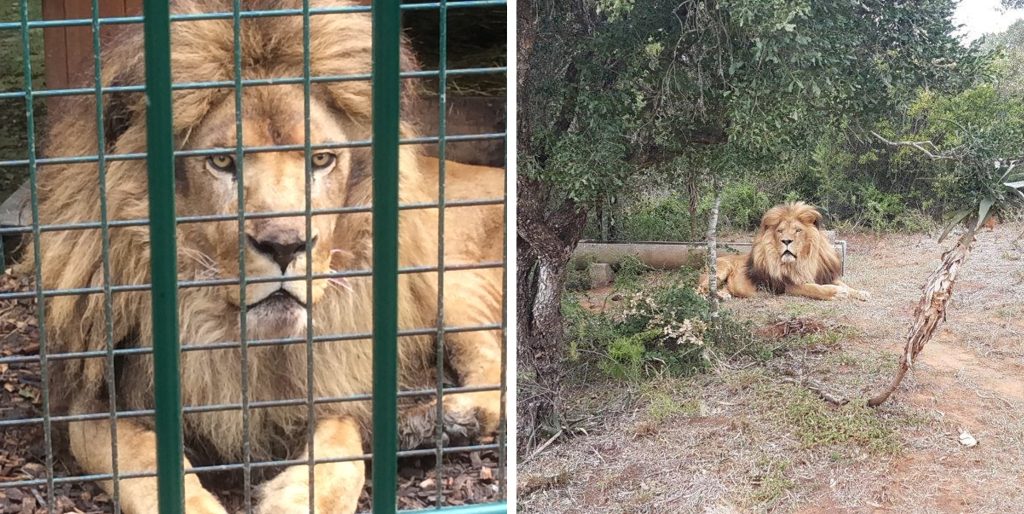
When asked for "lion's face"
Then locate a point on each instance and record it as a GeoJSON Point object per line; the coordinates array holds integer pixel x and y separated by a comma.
{"type": "Point", "coordinates": [273, 181]}
{"type": "Point", "coordinates": [791, 231]}
{"type": "Point", "coordinates": [790, 240]}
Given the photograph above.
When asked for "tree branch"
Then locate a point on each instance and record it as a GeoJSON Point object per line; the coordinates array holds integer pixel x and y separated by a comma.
{"type": "Point", "coordinates": [920, 145]}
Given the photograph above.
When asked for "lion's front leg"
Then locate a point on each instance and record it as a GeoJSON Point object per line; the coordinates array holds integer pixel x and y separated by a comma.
{"type": "Point", "coordinates": [473, 298]}
{"type": "Point", "coordinates": [136, 453]}
{"type": "Point", "coordinates": [476, 357]}
{"type": "Point", "coordinates": [337, 485]}
{"type": "Point", "coordinates": [859, 294]}
{"type": "Point", "coordinates": [818, 291]}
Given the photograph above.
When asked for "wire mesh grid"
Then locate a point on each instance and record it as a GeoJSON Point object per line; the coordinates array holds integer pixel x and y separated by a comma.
{"type": "Point", "coordinates": [163, 221]}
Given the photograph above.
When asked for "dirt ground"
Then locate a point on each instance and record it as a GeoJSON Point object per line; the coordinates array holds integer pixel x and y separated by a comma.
{"type": "Point", "coordinates": [754, 438]}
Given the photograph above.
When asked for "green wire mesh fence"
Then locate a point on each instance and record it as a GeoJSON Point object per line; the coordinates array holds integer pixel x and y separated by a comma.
{"type": "Point", "coordinates": [164, 221]}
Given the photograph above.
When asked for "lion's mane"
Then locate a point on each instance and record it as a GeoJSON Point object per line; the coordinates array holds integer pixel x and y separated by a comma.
{"type": "Point", "coordinates": [72, 259]}
{"type": "Point", "coordinates": [818, 262]}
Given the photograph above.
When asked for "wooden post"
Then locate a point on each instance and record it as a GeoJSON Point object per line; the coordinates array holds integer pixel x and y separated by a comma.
{"type": "Point", "coordinates": [68, 50]}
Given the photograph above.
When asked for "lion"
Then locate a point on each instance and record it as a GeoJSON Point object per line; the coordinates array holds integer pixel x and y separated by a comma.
{"type": "Point", "coordinates": [790, 255]}
{"type": "Point", "coordinates": [276, 248]}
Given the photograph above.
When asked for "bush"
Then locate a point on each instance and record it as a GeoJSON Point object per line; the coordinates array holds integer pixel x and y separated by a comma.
{"type": "Point", "coordinates": [654, 332]}
{"type": "Point", "coordinates": [628, 272]}
{"type": "Point", "coordinates": [662, 219]}
{"type": "Point", "coordinates": [577, 275]}
{"type": "Point", "coordinates": [743, 204]}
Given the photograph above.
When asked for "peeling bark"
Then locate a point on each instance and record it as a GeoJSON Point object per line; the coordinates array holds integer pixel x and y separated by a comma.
{"type": "Point", "coordinates": [930, 311]}
{"type": "Point", "coordinates": [712, 236]}
{"type": "Point", "coordinates": [547, 238]}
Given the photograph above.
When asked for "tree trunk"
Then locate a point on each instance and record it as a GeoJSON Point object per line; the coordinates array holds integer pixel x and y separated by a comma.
{"type": "Point", "coordinates": [693, 192]}
{"type": "Point", "coordinates": [712, 236]}
{"type": "Point", "coordinates": [930, 311]}
{"type": "Point", "coordinates": [546, 241]}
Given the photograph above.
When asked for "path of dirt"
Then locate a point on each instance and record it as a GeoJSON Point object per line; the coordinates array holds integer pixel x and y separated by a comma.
{"type": "Point", "coordinates": [748, 440]}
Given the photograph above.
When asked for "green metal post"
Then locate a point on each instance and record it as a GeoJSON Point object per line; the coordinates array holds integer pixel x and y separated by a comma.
{"type": "Point", "coordinates": [163, 255]}
{"type": "Point", "coordinates": [484, 508]}
{"type": "Point", "coordinates": [386, 87]}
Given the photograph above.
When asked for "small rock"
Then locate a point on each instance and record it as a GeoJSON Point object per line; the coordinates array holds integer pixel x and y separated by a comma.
{"type": "Point", "coordinates": [601, 274]}
{"type": "Point", "coordinates": [967, 439]}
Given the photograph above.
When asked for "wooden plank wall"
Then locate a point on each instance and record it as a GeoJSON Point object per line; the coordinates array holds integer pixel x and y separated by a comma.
{"type": "Point", "coordinates": [68, 50]}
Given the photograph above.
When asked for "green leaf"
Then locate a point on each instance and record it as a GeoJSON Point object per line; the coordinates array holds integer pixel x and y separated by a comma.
{"type": "Point", "coordinates": [958, 216]}
{"type": "Point", "coordinates": [983, 210]}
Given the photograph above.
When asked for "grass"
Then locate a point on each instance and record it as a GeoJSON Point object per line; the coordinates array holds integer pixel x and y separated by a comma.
{"type": "Point", "coordinates": [771, 482]}
{"type": "Point", "coordinates": [663, 406]}
{"type": "Point", "coordinates": [817, 424]}
{"type": "Point", "coordinates": [13, 123]}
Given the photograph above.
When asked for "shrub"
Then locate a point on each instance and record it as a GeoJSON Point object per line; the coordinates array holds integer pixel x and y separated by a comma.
{"type": "Point", "coordinates": [628, 272]}
{"type": "Point", "coordinates": [743, 204]}
{"type": "Point", "coordinates": [577, 276]}
{"type": "Point", "coordinates": [661, 219]}
{"type": "Point", "coordinates": [654, 331]}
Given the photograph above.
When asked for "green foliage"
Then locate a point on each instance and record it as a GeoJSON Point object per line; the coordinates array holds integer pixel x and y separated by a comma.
{"type": "Point", "coordinates": [743, 204]}
{"type": "Point", "coordinates": [815, 423]}
{"type": "Point", "coordinates": [628, 355]}
{"type": "Point", "coordinates": [656, 219]}
{"type": "Point", "coordinates": [616, 88]}
{"type": "Point", "coordinates": [659, 330]}
{"type": "Point", "coordinates": [13, 122]}
{"type": "Point", "coordinates": [577, 277]}
{"type": "Point", "coordinates": [629, 271]}
{"type": "Point", "coordinates": [975, 138]}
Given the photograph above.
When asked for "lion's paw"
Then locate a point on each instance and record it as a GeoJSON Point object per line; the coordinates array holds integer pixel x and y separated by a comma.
{"type": "Point", "coordinates": [842, 292]}
{"type": "Point", "coordinates": [466, 417]}
{"type": "Point", "coordinates": [483, 407]}
{"type": "Point", "coordinates": [860, 294]}
{"type": "Point", "coordinates": [724, 295]}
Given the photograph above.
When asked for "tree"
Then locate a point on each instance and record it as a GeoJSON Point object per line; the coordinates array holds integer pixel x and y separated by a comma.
{"type": "Point", "coordinates": [975, 139]}
{"type": "Point", "coordinates": [610, 89]}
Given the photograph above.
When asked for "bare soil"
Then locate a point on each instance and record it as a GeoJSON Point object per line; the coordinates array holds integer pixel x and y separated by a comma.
{"type": "Point", "coordinates": [754, 438]}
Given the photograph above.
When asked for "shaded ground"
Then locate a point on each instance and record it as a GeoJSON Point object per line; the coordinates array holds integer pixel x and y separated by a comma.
{"type": "Point", "coordinates": [467, 477]}
{"type": "Point", "coordinates": [13, 133]}
{"type": "Point", "coordinates": [753, 437]}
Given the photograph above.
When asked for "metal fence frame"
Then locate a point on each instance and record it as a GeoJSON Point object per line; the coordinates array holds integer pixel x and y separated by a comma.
{"type": "Point", "coordinates": [166, 347]}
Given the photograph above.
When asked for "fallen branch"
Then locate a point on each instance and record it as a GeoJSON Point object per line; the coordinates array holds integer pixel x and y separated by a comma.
{"type": "Point", "coordinates": [542, 447]}
{"type": "Point", "coordinates": [819, 389]}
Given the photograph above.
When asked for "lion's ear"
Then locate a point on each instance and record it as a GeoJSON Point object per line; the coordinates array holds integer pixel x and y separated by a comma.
{"type": "Point", "coordinates": [811, 217]}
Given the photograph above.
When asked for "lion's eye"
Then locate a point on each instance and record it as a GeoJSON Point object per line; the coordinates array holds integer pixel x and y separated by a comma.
{"type": "Point", "coordinates": [222, 162]}
{"type": "Point", "coordinates": [323, 160]}
{"type": "Point", "coordinates": [799, 230]}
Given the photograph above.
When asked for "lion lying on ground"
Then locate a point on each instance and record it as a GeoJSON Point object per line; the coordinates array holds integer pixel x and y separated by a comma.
{"type": "Point", "coordinates": [275, 248]}
{"type": "Point", "coordinates": [790, 255]}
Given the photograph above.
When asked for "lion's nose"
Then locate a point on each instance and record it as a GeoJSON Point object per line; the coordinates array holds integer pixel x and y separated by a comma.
{"type": "Point", "coordinates": [282, 249]}
{"type": "Point", "coordinates": [787, 241]}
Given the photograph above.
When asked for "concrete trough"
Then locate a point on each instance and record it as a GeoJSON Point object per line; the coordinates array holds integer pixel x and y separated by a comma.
{"type": "Point", "coordinates": [668, 254]}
